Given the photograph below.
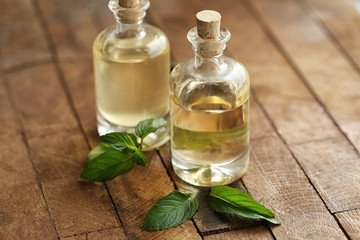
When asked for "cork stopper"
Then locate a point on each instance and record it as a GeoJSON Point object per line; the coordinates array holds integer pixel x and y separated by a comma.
{"type": "Point", "coordinates": [129, 3]}
{"type": "Point", "coordinates": [208, 24]}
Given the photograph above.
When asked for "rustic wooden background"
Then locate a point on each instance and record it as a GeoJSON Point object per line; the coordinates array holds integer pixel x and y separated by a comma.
{"type": "Point", "coordinates": [304, 60]}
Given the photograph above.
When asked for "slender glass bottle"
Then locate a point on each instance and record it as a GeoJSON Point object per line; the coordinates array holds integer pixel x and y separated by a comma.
{"type": "Point", "coordinates": [131, 65]}
{"type": "Point", "coordinates": [209, 109]}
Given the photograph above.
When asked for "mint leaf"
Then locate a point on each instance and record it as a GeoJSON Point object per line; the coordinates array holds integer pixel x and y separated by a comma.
{"type": "Point", "coordinates": [120, 140]}
{"type": "Point", "coordinates": [99, 149]}
{"type": "Point", "coordinates": [170, 211]}
{"type": "Point", "coordinates": [148, 126]}
{"type": "Point", "coordinates": [108, 165]}
{"type": "Point", "coordinates": [139, 158]}
{"type": "Point", "coordinates": [229, 200]}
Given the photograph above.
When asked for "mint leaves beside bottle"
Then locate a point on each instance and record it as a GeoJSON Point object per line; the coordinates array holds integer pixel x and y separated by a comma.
{"type": "Point", "coordinates": [119, 152]}
{"type": "Point", "coordinates": [176, 208]}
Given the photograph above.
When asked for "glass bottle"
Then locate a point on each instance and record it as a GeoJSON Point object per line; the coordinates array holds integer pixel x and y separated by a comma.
{"type": "Point", "coordinates": [131, 66]}
{"type": "Point", "coordinates": [209, 109]}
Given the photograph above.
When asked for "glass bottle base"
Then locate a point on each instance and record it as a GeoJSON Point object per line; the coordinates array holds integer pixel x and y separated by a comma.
{"type": "Point", "coordinates": [212, 174]}
{"type": "Point", "coordinates": [153, 140]}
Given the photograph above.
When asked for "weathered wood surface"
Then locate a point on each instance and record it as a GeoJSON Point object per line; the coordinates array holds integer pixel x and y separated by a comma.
{"type": "Point", "coordinates": [303, 57]}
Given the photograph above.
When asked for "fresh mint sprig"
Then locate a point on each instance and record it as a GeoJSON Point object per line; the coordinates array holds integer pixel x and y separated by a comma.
{"type": "Point", "coordinates": [119, 152]}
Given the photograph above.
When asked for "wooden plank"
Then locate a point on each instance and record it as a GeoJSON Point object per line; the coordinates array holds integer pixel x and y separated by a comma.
{"type": "Point", "coordinates": [260, 233]}
{"type": "Point", "coordinates": [40, 88]}
{"type": "Point", "coordinates": [16, 167]}
{"type": "Point", "coordinates": [333, 166]}
{"type": "Point", "coordinates": [350, 220]}
{"type": "Point", "coordinates": [23, 213]}
{"type": "Point", "coordinates": [101, 15]}
{"type": "Point", "coordinates": [76, 237]}
{"type": "Point", "coordinates": [273, 178]}
{"type": "Point", "coordinates": [80, 82]}
{"type": "Point", "coordinates": [78, 206]}
{"type": "Point", "coordinates": [259, 125]}
{"type": "Point", "coordinates": [137, 191]}
{"type": "Point", "coordinates": [331, 10]}
{"type": "Point", "coordinates": [108, 234]}
{"type": "Point", "coordinates": [303, 40]}
{"type": "Point", "coordinates": [54, 156]}
{"type": "Point", "coordinates": [21, 39]}
{"type": "Point", "coordinates": [52, 133]}
{"type": "Point", "coordinates": [70, 26]}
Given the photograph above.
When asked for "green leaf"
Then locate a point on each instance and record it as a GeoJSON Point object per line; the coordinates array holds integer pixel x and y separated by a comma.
{"type": "Point", "coordinates": [148, 126]}
{"type": "Point", "coordinates": [229, 200]}
{"type": "Point", "coordinates": [99, 149]}
{"type": "Point", "coordinates": [107, 165]}
{"type": "Point", "coordinates": [139, 158]}
{"type": "Point", "coordinates": [170, 211]}
{"type": "Point", "coordinates": [120, 140]}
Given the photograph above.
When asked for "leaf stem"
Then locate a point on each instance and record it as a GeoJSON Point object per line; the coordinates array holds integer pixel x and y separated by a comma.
{"type": "Point", "coordinates": [141, 143]}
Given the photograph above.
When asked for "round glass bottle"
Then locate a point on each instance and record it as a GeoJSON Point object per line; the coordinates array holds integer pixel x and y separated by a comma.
{"type": "Point", "coordinates": [209, 109]}
{"type": "Point", "coordinates": [131, 66]}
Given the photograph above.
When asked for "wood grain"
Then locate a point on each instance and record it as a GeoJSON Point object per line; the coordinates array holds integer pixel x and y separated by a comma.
{"type": "Point", "coordinates": [59, 150]}
{"type": "Point", "coordinates": [21, 40]}
{"type": "Point", "coordinates": [333, 166]}
{"type": "Point", "coordinates": [16, 167]}
{"type": "Point", "coordinates": [76, 237]}
{"type": "Point", "coordinates": [23, 213]}
{"type": "Point", "coordinates": [260, 233]}
{"type": "Point", "coordinates": [59, 155]}
{"type": "Point", "coordinates": [350, 220]}
{"type": "Point", "coordinates": [336, 83]}
{"type": "Point", "coordinates": [259, 125]}
{"type": "Point", "coordinates": [39, 98]}
{"type": "Point", "coordinates": [79, 206]}
{"type": "Point", "coordinates": [80, 82]}
{"type": "Point", "coordinates": [108, 234]}
{"type": "Point", "coordinates": [342, 20]}
{"type": "Point", "coordinates": [70, 26]}
{"type": "Point", "coordinates": [275, 180]}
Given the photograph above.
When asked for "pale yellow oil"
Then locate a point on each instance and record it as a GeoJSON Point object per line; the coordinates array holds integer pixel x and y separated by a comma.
{"type": "Point", "coordinates": [131, 77]}
{"type": "Point", "coordinates": [210, 136]}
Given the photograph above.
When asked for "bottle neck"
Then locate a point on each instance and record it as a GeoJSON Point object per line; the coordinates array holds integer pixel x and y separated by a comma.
{"type": "Point", "coordinates": [209, 52]}
{"type": "Point", "coordinates": [129, 20]}
{"type": "Point", "coordinates": [126, 30]}
{"type": "Point", "coordinates": [205, 63]}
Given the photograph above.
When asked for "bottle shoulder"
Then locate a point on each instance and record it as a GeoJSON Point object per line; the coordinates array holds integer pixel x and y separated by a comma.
{"type": "Point", "coordinates": [151, 43]}
{"type": "Point", "coordinates": [233, 74]}
{"type": "Point", "coordinates": [188, 84]}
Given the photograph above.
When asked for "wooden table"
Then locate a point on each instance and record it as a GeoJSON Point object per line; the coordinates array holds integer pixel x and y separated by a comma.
{"type": "Point", "coordinates": [304, 60]}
